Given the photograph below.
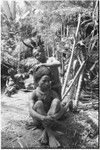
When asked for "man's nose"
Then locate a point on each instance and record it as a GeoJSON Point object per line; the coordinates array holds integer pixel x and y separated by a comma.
{"type": "Point", "coordinates": [47, 83]}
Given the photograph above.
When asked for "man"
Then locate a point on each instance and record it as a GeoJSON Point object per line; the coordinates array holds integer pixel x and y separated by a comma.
{"type": "Point", "coordinates": [45, 106]}
{"type": "Point", "coordinates": [50, 62]}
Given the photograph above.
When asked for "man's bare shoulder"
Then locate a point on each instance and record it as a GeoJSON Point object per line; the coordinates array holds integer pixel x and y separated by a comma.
{"type": "Point", "coordinates": [33, 94]}
{"type": "Point", "coordinates": [54, 94]}
{"type": "Point", "coordinates": [51, 59]}
{"type": "Point", "coordinates": [53, 62]}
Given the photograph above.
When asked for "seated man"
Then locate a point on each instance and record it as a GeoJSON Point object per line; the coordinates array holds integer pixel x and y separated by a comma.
{"type": "Point", "coordinates": [53, 64]}
{"type": "Point", "coordinates": [10, 87]}
{"type": "Point", "coordinates": [10, 84]}
{"type": "Point", "coordinates": [19, 81]}
{"type": "Point", "coordinates": [45, 105]}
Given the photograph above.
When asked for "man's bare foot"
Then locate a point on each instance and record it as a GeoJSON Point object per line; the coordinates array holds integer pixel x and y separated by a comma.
{"type": "Point", "coordinates": [44, 138]}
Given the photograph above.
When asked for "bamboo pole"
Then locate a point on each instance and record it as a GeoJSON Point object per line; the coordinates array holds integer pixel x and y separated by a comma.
{"type": "Point", "coordinates": [95, 8]}
{"type": "Point", "coordinates": [64, 30]}
{"type": "Point", "coordinates": [61, 28]}
{"type": "Point", "coordinates": [61, 32]}
{"type": "Point", "coordinates": [75, 102]}
{"type": "Point", "coordinates": [71, 58]}
{"type": "Point", "coordinates": [68, 69]}
{"type": "Point", "coordinates": [19, 56]}
{"type": "Point", "coordinates": [76, 76]}
{"type": "Point", "coordinates": [62, 68]}
{"type": "Point", "coordinates": [47, 49]}
{"type": "Point", "coordinates": [67, 30]}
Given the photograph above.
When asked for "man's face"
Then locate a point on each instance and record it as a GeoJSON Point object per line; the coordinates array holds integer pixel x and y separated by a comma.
{"type": "Point", "coordinates": [44, 83]}
{"type": "Point", "coordinates": [39, 55]}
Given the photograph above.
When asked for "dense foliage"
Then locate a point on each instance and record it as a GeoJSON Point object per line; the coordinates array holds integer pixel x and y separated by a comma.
{"type": "Point", "coordinates": [52, 24]}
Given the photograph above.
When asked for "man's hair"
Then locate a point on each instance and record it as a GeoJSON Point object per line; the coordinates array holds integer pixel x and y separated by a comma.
{"type": "Point", "coordinates": [41, 71]}
{"type": "Point", "coordinates": [39, 49]}
{"type": "Point", "coordinates": [10, 71]}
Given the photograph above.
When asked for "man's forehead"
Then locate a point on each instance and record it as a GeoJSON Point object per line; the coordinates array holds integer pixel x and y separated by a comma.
{"type": "Point", "coordinates": [37, 50]}
{"type": "Point", "coordinates": [45, 77]}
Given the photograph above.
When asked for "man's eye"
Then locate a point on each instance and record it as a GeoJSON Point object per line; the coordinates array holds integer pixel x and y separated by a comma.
{"type": "Point", "coordinates": [45, 81]}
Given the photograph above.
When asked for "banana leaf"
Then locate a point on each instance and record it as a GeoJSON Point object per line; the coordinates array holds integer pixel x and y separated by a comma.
{"type": "Point", "coordinates": [13, 9]}
{"type": "Point", "coordinates": [6, 9]}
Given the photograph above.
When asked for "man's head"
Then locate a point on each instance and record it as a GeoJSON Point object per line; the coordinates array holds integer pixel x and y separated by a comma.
{"type": "Point", "coordinates": [39, 53]}
{"type": "Point", "coordinates": [42, 78]}
{"type": "Point", "coordinates": [11, 71]}
{"type": "Point", "coordinates": [44, 83]}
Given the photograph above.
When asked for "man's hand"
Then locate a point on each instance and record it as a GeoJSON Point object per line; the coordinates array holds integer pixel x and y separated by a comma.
{"type": "Point", "coordinates": [47, 120]}
{"type": "Point", "coordinates": [38, 65]}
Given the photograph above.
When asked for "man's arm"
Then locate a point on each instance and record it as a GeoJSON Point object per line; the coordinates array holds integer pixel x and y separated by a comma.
{"type": "Point", "coordinates": [52, 62]}
{"type": "Point", "coordinates": [32, 112]}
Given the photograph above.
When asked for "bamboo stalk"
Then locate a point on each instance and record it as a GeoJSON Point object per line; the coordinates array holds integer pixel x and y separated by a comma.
{"type": "Point", "coordinates": [78, 90]}
{"type": "Point", "coordinates": [67, 30]}
{"type": "Point", "coordinates": [64, 30]}
{"type": "Point", "coordinates": [61, 32]}
{"type": "Point", "coordinates": [79, 20]}
{"type": "Point", "coordinates": [76, 76]}
{"type": "Point", "coordinates": [79, 60]}
{"type": "Point", "coordinates": [53, 53]}
{"type": "Point", "coordinates": [47, 50]}
{"type": "Point", "coordinates": [61, 28]}
{"type": "Point", "coordinates": [95, 8]}
{"type": "Point", "coordinates": [71, 57]}
{"type": "Point", "coordinates": [68, 69]}
{"type": "Point", "coordinates": [19, 56]}
{"type": "Point", "coordinates": [62, 68]}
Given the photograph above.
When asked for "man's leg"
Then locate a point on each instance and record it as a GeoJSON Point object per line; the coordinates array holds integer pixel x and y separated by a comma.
{"type": "Point", "coordinates": [57, 111]}
{"type": "Point", "coordinates": [39, 107]}
{"type": "Point", "coordinates": [55, 107]}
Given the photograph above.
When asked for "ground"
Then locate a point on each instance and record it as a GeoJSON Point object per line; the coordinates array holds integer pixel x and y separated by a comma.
{"type": "Point", "coordinates": [80, 129]}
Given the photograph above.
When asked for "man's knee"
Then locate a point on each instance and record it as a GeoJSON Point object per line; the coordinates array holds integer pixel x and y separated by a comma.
{"type": "Point", "coordinates": [55, 107]}
{"type": "Point", "coordinates": [55, 102]}
{"type": "Point", "coordinates": [38, 105]}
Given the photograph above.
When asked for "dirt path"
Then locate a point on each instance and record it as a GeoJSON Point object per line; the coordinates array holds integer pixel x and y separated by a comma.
{"type": "Point", "coordinates": [14, 114]}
